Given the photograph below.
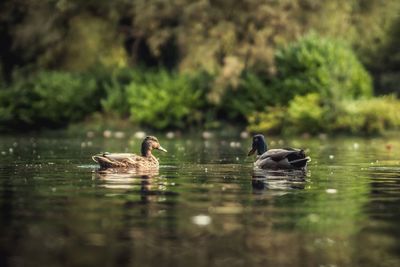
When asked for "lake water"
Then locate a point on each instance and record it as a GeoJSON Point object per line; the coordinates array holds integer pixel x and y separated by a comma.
{"type": "Point", "coordinates": [205, 207]}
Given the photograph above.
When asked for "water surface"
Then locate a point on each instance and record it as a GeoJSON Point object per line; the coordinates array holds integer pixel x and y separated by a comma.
{"type": "Point", "coordinates": [205, 206]}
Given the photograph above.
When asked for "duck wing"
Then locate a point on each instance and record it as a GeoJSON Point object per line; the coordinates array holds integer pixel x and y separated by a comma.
{"type": "Point", "coordinates": [278, 154]}
{"type": "Point", "coordinates": [116, 160]}
{"type": "Point", "coordinates": [283, 158]}
{"type": "Point", "coordinates": [119, 156]}
{"type": "Point", "coordinates": [300, 163]}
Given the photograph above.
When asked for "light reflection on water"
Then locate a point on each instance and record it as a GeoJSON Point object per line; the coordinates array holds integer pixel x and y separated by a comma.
{"type": "Point", "coordinates": [206, 206]}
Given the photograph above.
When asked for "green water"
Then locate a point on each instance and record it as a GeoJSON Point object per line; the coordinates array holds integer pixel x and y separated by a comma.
{"type": "Point", "coordinates": [205, 207]}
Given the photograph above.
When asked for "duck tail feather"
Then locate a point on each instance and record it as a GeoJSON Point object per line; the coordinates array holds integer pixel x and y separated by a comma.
{"type": "Point", "coordinates": [300, 163]}
{"type": "Point", "coordinates": [103, 161]}
{"type": "Point", "coordinates": [96, 158]}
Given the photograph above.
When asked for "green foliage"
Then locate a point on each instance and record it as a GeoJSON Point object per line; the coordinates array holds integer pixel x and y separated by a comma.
{"type": "Point", "coordinates": [311, 65]}
{"type": "Point", "coordinates": [163, 100]}
{"type": "Point", "coordinates": [156, 98]}
{"type": "Point", "coordinates": [92, 41]}
{"type": "Point", "coordinates": [309, 114]}
{"type": "Point", "coordinates": [272, 120]}
{"type": "Point", "coordinates": [251, 95]}
{"type": "Point", "coordinates": [189, 35]}
{"type": "Point", "coordinates": [304, 114]}
{"type": "Point", "coordinates": [369, 116]}
{"type": "Point", "coordinates": [115, 84]}
{"type": "Point", "coordinates": [232, 43]}
{"type": "Point", "coordinates": [323, 66]}
{"type": "Point", "coordinates": [386, 62]}
{"type": "Point", "coordinates": [48, 99]}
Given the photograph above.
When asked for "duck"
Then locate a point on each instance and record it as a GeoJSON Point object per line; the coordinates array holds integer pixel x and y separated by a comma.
{"type": "Point", "coordinates": [277, 159]}
{"type": "Point", "coordinates": [131, 162]}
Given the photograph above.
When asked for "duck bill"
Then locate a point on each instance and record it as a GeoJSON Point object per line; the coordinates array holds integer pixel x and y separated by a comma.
{"type": "Point", "coordinates": [251, 152]}
{"type": "Point", "coordinates": [162, 149]}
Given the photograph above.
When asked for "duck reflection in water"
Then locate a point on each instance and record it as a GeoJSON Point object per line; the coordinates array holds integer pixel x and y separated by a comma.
{"type": "Point", "coordinates": [145, 196]}
{"type": "Point", "coordinates": [126, 180]}
{"type": "Point", "coordinates": [279, 181]}
{"type": "Point", "coordinates": [148, 184]}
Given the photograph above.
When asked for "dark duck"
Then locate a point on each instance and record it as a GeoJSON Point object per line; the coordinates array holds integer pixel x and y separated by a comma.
{"type": "Point", "coordinates": [120, 162]}
{"type": "Point", "coordinates": [277, 159]}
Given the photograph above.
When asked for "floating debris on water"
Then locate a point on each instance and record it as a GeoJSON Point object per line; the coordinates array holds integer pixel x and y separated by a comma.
{"type": "Point", "coordinates": [356, 145]}
{"type": "Point", "coordinates": [323, 136]}
{"type": "Point", "coordinates": [170, 135]}
{"type": "Point", "coordinates": [244, 135]}
{"type": "Point", "coordinates": [207, 135]}
{"type": "Point", "coordinates": [139, 135]}
{"type": "Point", "coordinates": [331, 156]}
{"type": "Point", "coordinates": [201, 220]}
{"type": "Point", "coordinates": [107, 133]}
{"type": "Point", "coordinates": [119, 135]}
{"type": "Point", "coordinates": [90, 134]}
{"type": "Point", "coordinates": [234, 144]}
{"type": "Point", "coordinates": [331, 191]}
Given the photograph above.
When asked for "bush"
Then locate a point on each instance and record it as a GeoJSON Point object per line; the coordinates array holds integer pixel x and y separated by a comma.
{"type": "Point", "coordinates": [158, 99]}
{"type": "Point", "coordinates": [48, 99]}
{"type": "Point", "coordinates": [125, 86]}
{"type": "Point", "coordinates": [115, 84]}
{"type": "Point", "coordinates": [323, 66]}
{"type": "Point", "coordinates": [163, 100]}
{"type": "Point", "coordinates": [308, 114]}
{"type": "Point", "coordinates": [311, 65]}
{"type": "Point", "coordinates": [304, 114]}
{"type": "Point", "coordinates": [251, 95]}
{"type": "Point", "coordinates": [272, 120]}
{"type": "Point", "coordinates": [369, 116]}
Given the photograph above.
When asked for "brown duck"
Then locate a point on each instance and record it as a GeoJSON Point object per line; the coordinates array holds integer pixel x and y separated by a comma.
{"type": "Point", "coordinates": [129, 161]}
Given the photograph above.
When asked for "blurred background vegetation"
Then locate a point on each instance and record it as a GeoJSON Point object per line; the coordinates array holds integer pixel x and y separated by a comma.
{"type": "Point", "coordinates": [290, 66]}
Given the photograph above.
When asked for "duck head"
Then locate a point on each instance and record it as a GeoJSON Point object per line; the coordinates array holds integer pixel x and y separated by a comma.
{"type": "Point", "coordinates": [258, 145]}
{"type": "Point", "coordinates": [150, 143]}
